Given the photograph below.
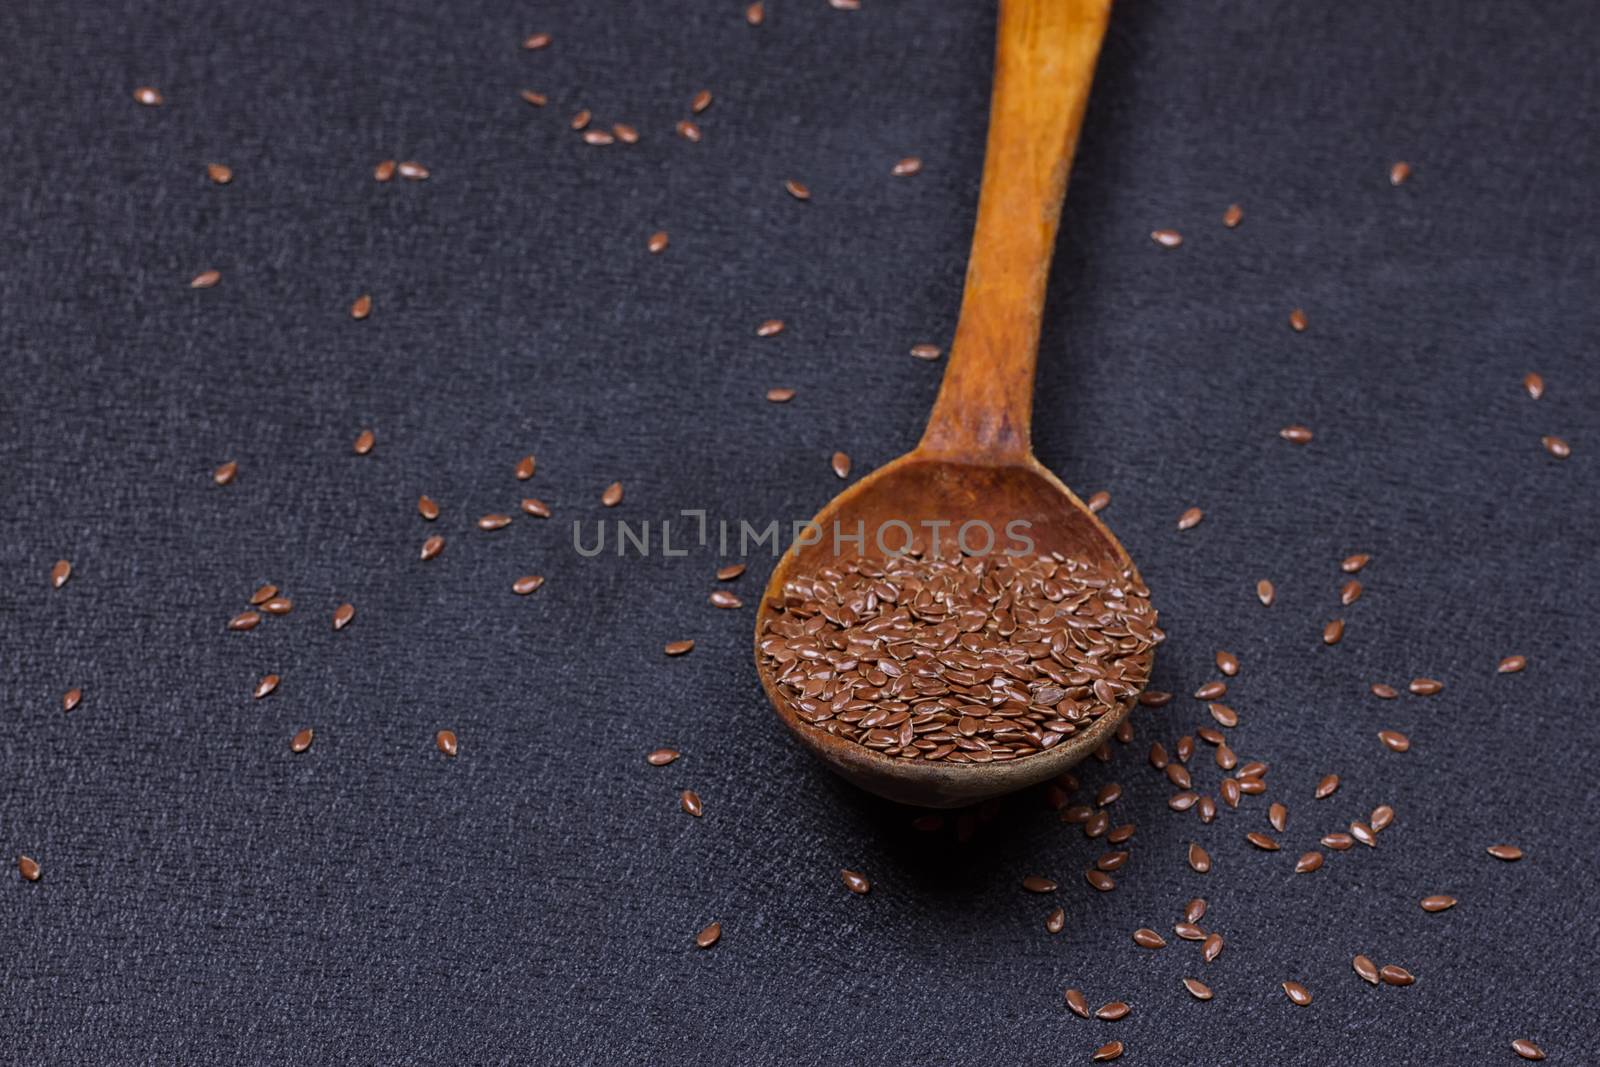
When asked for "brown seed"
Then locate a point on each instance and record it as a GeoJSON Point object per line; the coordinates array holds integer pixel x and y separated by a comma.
{"type": "Point", "coordinates": [445, 741]}
{"type": "Point", "coordinates": [1333, 632]}
{"type": "Point", "coordinates": [721, 598]}
{"type": "Point", "coordinates": [71, 699]}
{"type": "Point", "coordinates": [796, 189]}
{"type": "Point", "coordinates": [709, 936]}
{"type": "Point", "coordinates": [701, 101]}
{"type": "Point", "coordinates": [1183, 801]}
{"type": "Point", "coordinates": [1036, 883]}
{"type": "Point", "coordinates": [364, 442]}
{"type": "Point", "coordinates": [1296, 434]}
{"type": "Point", "coordinates": [148, 96]}
{"type": "Point", "coordinates": [689, 801]}
{"type": "Point", "coordinates": [1108, 794]}
{"type": "Point", "coordinates": [1195, 910]}
{"type": "Point", "coordinates": [678, 648]}
{"type": "Point", "coordinates": [612, 496]}
{"type": "Point", "coordinates": [532, 505]}
{"type": "Point", "coordinates": [1438, 902]}
{"type": "Point", "coordinates": [1233, 216]}
{"type": "Point", "coordinates": [841, 464]}
{"type": "Point", "coordinates": [432, 547]}
{"type": "Point", "coordinates": [223, 475]}
{"type": "Point", "coordinates": [1297, 993]}
{"type": "Point", "coordinates": [29, 868]}
{"type": "Point", "coordinates": [1278, 816]}
{"type": "Point", "coordinates": [361, 308]}
{"type": "Point", "coordinates": [277, 605]}
{"type": "Point", "coordinates": [1112, 861]}
{"type": "Point", "coordinates": [1383, 692]}
{"type": "Point", "coordinates": [1512, 665]}
{"type": "Point", "coordinates": [1393, 974]}
{"type": "Point", "coordinates": [1076, 1004]}
{"type": "Point", "coordinates": [1207, 809]}
{"type": "Point", "coordinates": [1352, 564]}
{"type": "Point", "coordinates": [1189, 931]}
{"type": "Point", "coordinates": [245, 620]}
{"type": "Point", "coordinates": [658, 242]}
{"type": "Point", "coordinates": [1350, 592]}
{"type": "Point", "coordinates": [926, 352]}
{"type": "Point", "coordinates": [1211, 691]}
{"type": "Point", "coordinates": [1230, 792]}
{"type": "Point", "coordinates": [625, 133]}
{"type": "Point", "coordinates": [1119, 834]}
{"type": "Point", "coordinates": [1097, 503]}
{"type": "Point", "coordinates": [1100, 880]}
{"type": "Point", "coordinates": [598, 137]}
{"type": "Point", "coordinates": [412, 171]}
{"type": "Point", "coordinates": [1425, 687]}
{"type": "Point", "coordinates": [528, 583]}
{"type": "Point", "coordinates": [1224, 715]}
{"type": "Point", "coordinates": [494, 521]}
{"type": "Point", "coordinates": [1112, 1010]}
{"type": "Point", "coordinates": [302, 740]}
{"type": "Point", "coordinates": [1509, 853]}
{"type": "Point", "coordinates": [1361, 832]}
{"type": "Point", "coordinates": [60, 573]}
{"type": "Point", "coordinates": [1527, 1049]}
{"type": "Point", "coordinates": [780, 395]}
{"type": "Point", "coordinates": [1251, 786]}
{"type": "Point", "coordinates": [756, 13]}
{"type": "Point", "coordinates": [581, 119]}
{"type": "Point", "coordinates": [1534, 384]}
{"type": "Point", "coordinates": [219, 173]}
{"type": "Point", "coordinates": [1190, 518]}
{"type": "Point", "coordinates": [1166, 238]}
{"type": "Point", "coordinates": [1197, 989]}
{"type": "Point", "coordinates": [267, 684]}
{"type": "Point", "coordinates": [536, 99]}
{"type": "Point", "coordinates": [730, 572]}
{"type": "Point", "coordinates": [342, 615]}
{"type": "Point", "coordinates": [688, 131]}
{"type": "Point", "coordinates": [1366, 969]}
{"type": "Point", "coordinates": [205, 279]}
{"type": "Point", "coordinates": [1266, 593]}
{"type": "Point", "coordinates": [1338, 841]}
{"type": "Point", "coordinates": [427, 508]}
{"type": "Point", "coordinates": [383, 171]}
{"type": "Point", "coordinates": [534, 42]}
{"type": "Point", "coordinates": [1297, 320]}
{"type": "Point", "coordinates": [1107, 1052]}
{"type": "Point", "coordinates": [661, 757]}
{"type": "Point", "coordinates": [1227, 663]}
{"type": "Point", "coordinates": [855, 882]}
{"type": "Point", "coordinates": [1556, 447]}
{"type": "Point", "coordinates": [1394, 740]}
{"type": "Point", "coordinates": [906, 167]}
{"type": "Point", "coordinates": [1399, 172]}
{"type": "Point", "coordinates": [1327, 786]}
{"type": "Point", "coordinates": [525, 468]}
{"type": "Point", "coordinates": [1145, 937]}
{"type": "Point", "coordinates": [1308, 862]}
{"type": "Point", "coordinates": [770, 328]}
{"type": "Point", "coordinates": [1261, 841]}
{"type": "Point", "coordinates": [1211, 948]}
{"type": "Point", "coordinates": [1154, 698]}
{"type": "Point", "coordinates": [263, 594]}
{"type": "Point", "coordinates": [1382, 816]}
{"type": "Point", "coordinates": [1199, 859]}
{"type": "Point", "coordinates": [1055, 922]}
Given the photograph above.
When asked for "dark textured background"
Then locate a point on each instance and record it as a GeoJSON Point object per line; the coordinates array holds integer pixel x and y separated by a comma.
{"type": "Point", "coordinates": [209, 898]}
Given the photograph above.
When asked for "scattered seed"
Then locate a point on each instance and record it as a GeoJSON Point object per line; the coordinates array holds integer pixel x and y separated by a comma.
{"type": "Point", "coordinates": [906, 167]}
{"type": "Point", "coordinates": [384, 171]}
{"type": "Point", "coordinates": [1556, 447]}
{"type": "Point", "coordinates": [780, 395]}
{"type": "Point", "coordinates": [1154, 698]}
{"type": "Point", "coordinates": [432, 547]}
{"type": "Point", "coordinates": [534, 42]}
{"type": "Point", "coordinates": [71, 699]}
{"type": "Point", "coordinates": [1512, 665]}
{"type": "Point", "coordinates": [301, 741]}
{"type": "Point", "coordinates": [525, 468]}
{"type": "Point", "coordinates": [263, 594]}
{"type": "Point", "coordinates": [730, 572]}
{"type": "Point", "coordinates": [841, 464]}
{"type": "Point", "coordinates": [29, 868]}
{"type": "Point", "coordinates": [678, 648]}
{"type": "Point", "coordinates": [770, 328]}
{"type": "Point", "coordinates": [688, 131]}
{"type": "Point", "coordinates": [60, 573]}
{"type": "Point", "coordinates": [756, 13]}
{"type": "Point", "coordinates": [701, 101]}
{"type": "Point", "coordinates": [1100, 880]}
{"type": "Point", "coordinates": [1333, 632]}
{"type": "Point", "coordinates": [1233, 216]}
{"type": "Point", "coordinates": [721, 598]}
{"type": "Point", "coordinates": [1509, 853]}
{"type": "Point", "coordinates": [658, 242]}
{"type": "Point", "coordinates": [926, 352]}
{"type": "Point", "coordinates": [1261, 841]}
{"type": "Point", "coordinates": [494, 522]}
{"type": "Point", "coordinates": [625, 133]}
{"type": "Point", "coordinates": [1266, 593]}
{"type": "Point", "coordinates": [1076, 1004]}
{"type": "Point", "coordinates": [342, 615]}
{"type": "Point", "coordinates": [1361, 832]}
{"type": "Point", "coordinates": [1399, 172]}
{"type": "Point", "coordinates": [1308, 862]}
{"type": "Point", "coordinates": [1120, 834]}
{"type": "Point", "coordinates": [277, 605]}
{"type": "Point", "coordinates": [1327, 786]}
{"type": "Point", "coordinates": [1108, 794]}
{"type": "Point", "coordinates": [427, 508]}
{"type": "Point", "coordinates": [1197, 989]}
{"type": "Point", "coordinates": [224, 474]}
{"type": "Point", "coordinates": [1527, 1049]}
{"type": "Point", "coordinates": [1224, 715]}
{"type": "Point", "coordinates": [1107, 1052]}
{"type": "Point", "coordinates": [1338, 841]}
{"type": "Point", "coordinates": [1195, 910]}
{"type": "Point", "coordinates": [361, 308]}
{"type": "Point", "coordinates": [1211, 691]}
{"type": "Point", "coordinates": [689, 801]}
{"type": "Point", "coordinates": [1383, 692]}
{"type": "Point", "coordinates": [528, 583]}
{"type": "Point", "coordinates": [1211, 948]}
{"type": "Point", "coordinates": [598, 137]}
{"type": "Point", "coordinates": [1190, 518]}
{"type": "Point", "coordinates": [1112, 1010]}
{"type": "Point", "coordinates": [1534, 384]}
{"type": "Point", "coordinates": [1425, 687]}
{"type": "Point", "coordinates": [267, 684]}
{"type": "Point", "coordinates": [661, 757]}
{"type": "Point", "coordinates": [219, 173]}
{"type": "Point", "coordinates": [709, 936]}
{"type": "Point", "coordinates": [612, 496]}
{"type": "Point", "coordinates": [1394, 740]}
{"type": "Point", "coordinates": [1366, 969]}
{"type": "Point", "coordinates": [1199, 859]}
{"type": "Point", "coordinates": [1145, 937]}
{"type": "Point", "coordinates": [1112, 861]}
{"type": "Point", "coordinates": [855, 882]}
{"type": "Point", "coordinates": [1382, 817]}
{"type": "Point", "coordinates": [445, 741]}
{"type": "Point", "coordinates": [1036, 883]}
{"type": "Point", "coordinates": [536, 99]}
{"type": "Point", "coordinates": [412, 171]}
{"type": "Point", "coordinates": [1352, 564]}
{"type": "Point", "coordinates": [1097, 503]}
{"type": "Point", "coordinates": [205, 279]}
{"type": "Point", "coordinates": [1297, 993]}
{"type": "Point", "coordinates": [1297, 320]}
{"type": "Point", "coordinates": [1189, 931]}
{"type": "Point", "coordinates": [532, 505]}
{"type": "Point", "coordinates": [1350, 592]}
{"type": "Point", "coordinates": [1278, 816]}
{"type": "Point", "coordinates": [1251, 786]}
{"type": "Point", "coordinates": [1438, 902]}
{"type": "Point", "coordinates": [1393, 974]}
{"type": "Point", "coordinates": [1166, 238]}
{"type": "Point", "coordinates": [149, 96]}
{"type": "Point", "coordinates": [798, 190]}
{"type": "Point", "coordinates": [245, 620]}
{"type": "Point", "coordinates": [364, 442]}
{"type": "Point", "coordinates": [1296, 434]}
{"type": "Point", "coordinates": [1055, 922]}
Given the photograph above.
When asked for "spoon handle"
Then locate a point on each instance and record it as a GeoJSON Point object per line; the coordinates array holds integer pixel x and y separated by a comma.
{"type": "Point", "coordinates": [1044, 62]}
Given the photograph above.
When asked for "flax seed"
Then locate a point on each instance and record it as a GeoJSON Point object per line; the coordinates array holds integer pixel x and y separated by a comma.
{"type": "Point", "coordinates": [1297, 993]}
{"type": "Point", "coordinates": [1333, 632]}
{"type": "Point", "coordinates": [224, 474]}
{"type": "Point", "coordinates": [1556, 447]}
{"type": "Point", "coordinates": [688, 131]}
{"type": "Point", "coordinates": [445, 742]}
{"type": "Point", "coordinates": [625, 133]}
{"type": "Point", "coordinates": [1383, 692]}
{"type": "Point", "coordinates": [263, 594]}
{"type": "Point", "coordinates": [840, 464]}
{"type": "Point", "coordinates": [1224, 715]}
{"type": "Point", "coordinates": [1145, 937]}
{"type": "Point", "coordinates": [598, 137]}
{"type": "Point", "coordinates": [721, 598]}
{"type": "Point", "coordinates": [1211, 691]}
{"type": "Point", "coordinates": [689, 801]}
{"type": "Point", "coordinates": [277, 605]}
{"type": "Point", "coordinates": [60, 573]}
{"type": "Point", "coordinates": [1190, 518]}
{"type": "Point", "coordinates": [1189, 931]}
{"type": "Point", "coordinates": [661, 757]}
{"type": "Point", "coordinates": [798, 190]}
{"type": "Point", "coordinates": [1438, 902]}
{"type": "Point", "coordinates": [678, 648]}
{"type": "Point", "coordinates": [384, 171]}
{"type": "Point", "coordinates": [1509, 853]}
{"type": "Point", "coordinates": [1211, 948]}
{"type": "Point", "coordinates": [536, 99]}
{"type": "Point", "coordinates": [1111, 1011]}
{"type": "Point", "coordinates": [148, 96]}
{"type": "Point", "coordinates": [1425, 687]}
{"type": "Point", "coordinates": [432, 547]}
{"type": "Point", "coordinates": [364, 442]}
{"type": "Point", "coordinates": [1199, 859]}
{"type": "Point", "coordinates": [1097, 503]}
{"type": "Point", "coordinates": [532, 505]}
{"type": "Point", "coordinates": [1055, 922]}
{"type": "Point", "coordinates": [1155, 698]}
{"type": "Point", "coordinates": [658, 242]}
{"type": "Point", "coordinates": [1261, 841]}
{"type": "Point", "coordinates": [1393, 974]}
{"type": "Point", "coordinates": [71, 699]}
{"type": "Point", "coordinates": [1166, 238]}
{"type": "Point", "coordinates": [853, 881]}
{"type": "Point", "coordinates": [1278, 816]}
{"type": "Point", "coordinates": [1308, 862]}
{"type": "Point", "coordinates": [1381, 818]}
{"type": "Point", "coordinates": [1100, 880]}
{"type": "Point", "coordinates": [1534, 384]}
{"type": "Point", "coordinates": [245, 620]}
{"type": "Point", "coordinates": [265, 686]}
{"type": "Point", "coordinates": [926, 352]}
{"type": "Point", "coordinates": [1298, 321]}
{"type": "Point", "coordinates": [528, 583]}
{"type": "Point", "coordinates": [1035, 883]}
{"type": "Point", "coordinates": [612, 496]}
{"type": "Point", "coordinates": [1266, 593]}
{"type": "Point", "coordinates": [1512, 665]}
{"type": "Point", "coordinates": [730, 572]}
{"type": "Point", "coordinates": [1399, 172]}
{"type": "Point", "coordinates": [1197, 989]}
{"type": "Point", "coordinates": [412, 171]}
{"type": "Point", "coordinates": [1361, 832]}
{"type": "Point", "coordinates": [427, 508]}
{"type": "Point", "coordinates": [1233, 216]}
{"type": "Point", "coordinates": [1366, 969]}
{"type": "Point", "coordinates": [769, 328]}
{"type": "Point", "coordinates": [1076, 1004]}
{"type": "Point", "coordinates": [906, 167]}
{"type": "Point", "coordinates": [361, 308]}
{"type": "Point", "coordinates": [1527, 1049]}
{"type": "Point", "coordinates": [493, 522]}
{"type": "Point", "coordinates": [205, 279]}
{"type": "Point", "coordinates": [701, 101]}
{"type": "Point", "coordinates": [1195, 910]}
{"type": "Point", "coordinates": [302, 740]}
{"type": "Point", "coordinates": [709, 936]}
{"type": "Point", "coordinates": [780, 395]}
{"type": "Point", "coordinates": [756, 13]}
{"type": "Point", "coordinates": [534, 42]}
{"type": "Point", "coordinates": [1107, 1052]}
{"type": "Point", "coordinates": [1338, 841]}
{"type": "Point", "coordinates": [342, 615]}
{"type": "Point", "coordinates": [1296, 434]}
{"type": "Point", "coordinates": [1394, 740]}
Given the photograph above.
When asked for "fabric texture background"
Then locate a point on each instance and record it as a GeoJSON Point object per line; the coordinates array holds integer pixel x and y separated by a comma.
{"type": "Point", "coordinates": [210, 898]}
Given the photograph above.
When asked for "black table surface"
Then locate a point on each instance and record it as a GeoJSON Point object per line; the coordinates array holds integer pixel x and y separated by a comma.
{"type": "Point", "coordinates": [209, 897]}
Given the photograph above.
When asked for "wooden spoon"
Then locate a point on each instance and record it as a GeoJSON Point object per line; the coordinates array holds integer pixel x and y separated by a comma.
{"type": "Point", "coordinates": [975, 460]}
